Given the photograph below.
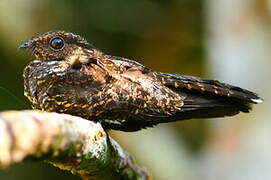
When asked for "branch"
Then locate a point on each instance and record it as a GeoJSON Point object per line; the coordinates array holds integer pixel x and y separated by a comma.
{"type": "Point", "coordinates": [68, 142]}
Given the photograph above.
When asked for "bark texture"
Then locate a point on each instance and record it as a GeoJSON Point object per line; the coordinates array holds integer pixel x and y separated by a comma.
{"type": "Point", "coordinates": [68, 142]}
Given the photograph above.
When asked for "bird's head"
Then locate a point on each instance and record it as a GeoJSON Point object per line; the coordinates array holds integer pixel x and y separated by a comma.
{"type": "Point", "coordinates": [58, 45]}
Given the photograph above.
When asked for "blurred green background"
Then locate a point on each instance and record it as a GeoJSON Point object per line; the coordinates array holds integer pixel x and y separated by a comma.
{"type": "Point", "coordinates": [227, 40]}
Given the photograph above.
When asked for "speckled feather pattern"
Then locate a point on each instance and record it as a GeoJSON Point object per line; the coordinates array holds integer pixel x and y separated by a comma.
{"type": "Point", "coordinates": [122, 94]}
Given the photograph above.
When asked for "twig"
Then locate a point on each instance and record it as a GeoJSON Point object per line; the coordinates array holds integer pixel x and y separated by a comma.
{"type": "Point", "coordinates": [70, 143]}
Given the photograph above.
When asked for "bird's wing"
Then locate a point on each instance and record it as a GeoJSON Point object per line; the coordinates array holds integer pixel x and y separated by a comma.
{"type": "Point", "coordinates": [207, 98]}
{"type": "Point", "coordinates": [207, 87]}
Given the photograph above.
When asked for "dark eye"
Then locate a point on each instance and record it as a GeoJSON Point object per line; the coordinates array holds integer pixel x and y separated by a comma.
{"type": "Point", "coordinates": [57, 43]}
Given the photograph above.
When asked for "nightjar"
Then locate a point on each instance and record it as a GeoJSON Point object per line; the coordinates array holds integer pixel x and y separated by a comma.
{"type": "Point", "coordinates": [71, 76]}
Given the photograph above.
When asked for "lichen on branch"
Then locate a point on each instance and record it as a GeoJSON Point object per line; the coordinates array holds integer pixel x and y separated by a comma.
{"type": "Point", "coordinates": [68, 142]}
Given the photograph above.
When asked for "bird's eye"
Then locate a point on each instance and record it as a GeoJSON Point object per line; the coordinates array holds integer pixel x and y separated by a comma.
{"type": "Point", "coordinates": [57, 43]}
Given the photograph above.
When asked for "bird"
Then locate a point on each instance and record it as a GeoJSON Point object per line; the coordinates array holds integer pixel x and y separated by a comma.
{"type": "Point", "coordinates": [70, 75]}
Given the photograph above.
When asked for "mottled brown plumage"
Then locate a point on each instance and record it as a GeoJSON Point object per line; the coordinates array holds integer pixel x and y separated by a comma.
{"type": "Point", "coordinates": [72, 76]}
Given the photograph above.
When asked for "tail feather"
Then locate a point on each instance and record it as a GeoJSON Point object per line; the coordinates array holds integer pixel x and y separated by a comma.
{"type": "Point", "coordinates": [212, 96]}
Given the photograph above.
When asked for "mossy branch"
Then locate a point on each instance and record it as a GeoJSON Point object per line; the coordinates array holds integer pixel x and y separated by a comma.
{"type": "Point", "coordinates": [68, 142]}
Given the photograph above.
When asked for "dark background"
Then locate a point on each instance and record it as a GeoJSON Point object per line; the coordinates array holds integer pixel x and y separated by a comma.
{"type": "Point", "coordinates": [226, 40]}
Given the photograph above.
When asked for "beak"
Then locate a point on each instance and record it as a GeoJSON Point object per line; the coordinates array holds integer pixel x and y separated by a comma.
{"type": "Point", "coordinates": [25, 45]}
